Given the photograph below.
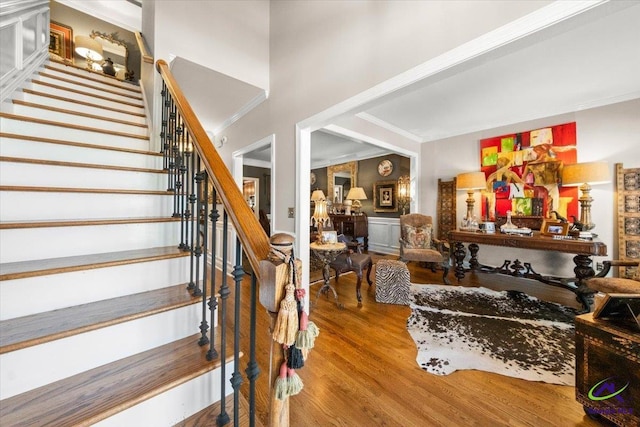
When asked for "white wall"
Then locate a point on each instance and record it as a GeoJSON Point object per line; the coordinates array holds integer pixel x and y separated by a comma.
{"type": "Point", "coordinates": [323, 52]}
{"type": "Point", "coordinates": [610, 133]}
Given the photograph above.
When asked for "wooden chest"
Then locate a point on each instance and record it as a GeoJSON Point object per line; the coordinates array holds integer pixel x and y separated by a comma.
{"type": "Point", "coordinates": [608, 370]}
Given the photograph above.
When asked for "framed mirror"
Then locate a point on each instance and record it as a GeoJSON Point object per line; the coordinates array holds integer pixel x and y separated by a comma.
{"type": "Point", "coordinates": [116, 50]}
{"type": "Point", "coordinates": [336, 176]}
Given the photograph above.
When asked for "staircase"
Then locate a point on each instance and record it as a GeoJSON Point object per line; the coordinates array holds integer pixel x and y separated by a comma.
{"type": "Point", "coordinates": [96, 324]}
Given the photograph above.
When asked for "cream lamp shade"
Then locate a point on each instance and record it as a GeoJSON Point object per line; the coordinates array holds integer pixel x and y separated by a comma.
{"type": "Point", "coordinates": [470, 181]}
{"type": "Point", "coordinates": [317, 195]}
{"type": "Point", "coordinates": [356, 194]}
{"type": "Point", "coordinates": [88, 48]}
{"type": "Point", "coordinates": [584, 174]}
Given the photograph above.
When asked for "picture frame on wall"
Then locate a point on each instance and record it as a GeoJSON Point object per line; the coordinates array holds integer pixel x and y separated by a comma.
{"type": "Point", "coordinates": [385, 196]}
{"type": "Point", "coordinates": [61, 40]}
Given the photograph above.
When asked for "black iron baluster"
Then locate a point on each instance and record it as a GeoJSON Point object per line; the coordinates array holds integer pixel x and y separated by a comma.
{"type": "Point", "coordinates": [164, 145]}
{"type": "Point", "coordinates": [180, 177]}
{"type": "Point", "coordinates": [252, 370]}
{"type": "Point", "coordinates": [202, 219]}
{"type": "Point", "coordinates": [186, 173]}
{"type": "Point", "coordinates": [223, 417]}
{"type": "Point", "coordinates": [197, 249]}
{"type": "Point", "coordinates": [213, 301]}
{"type": "Point", "coordinates": [236, 377]}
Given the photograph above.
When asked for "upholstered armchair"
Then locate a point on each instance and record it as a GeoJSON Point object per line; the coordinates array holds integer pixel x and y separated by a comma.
{"type": "Point", "coordinates": [417, 243]}
{"type": "Point", "coordinates": [616, 285]}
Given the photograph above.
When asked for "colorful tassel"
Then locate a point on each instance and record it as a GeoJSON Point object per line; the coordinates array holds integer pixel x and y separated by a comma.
{"type": "Point", "coordinates": [294, 382]}
{"type": "Point", "coordinates": [281, 386]}
{"type": "Point", "coordinates": [286, 325]}
{"type": "Point", "coordinates": [295, 360]}
{"type": "Point", "coordinates": [307, 334]}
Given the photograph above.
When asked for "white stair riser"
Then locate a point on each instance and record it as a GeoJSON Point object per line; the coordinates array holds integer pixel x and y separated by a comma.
{"type": "Point", "coordinates": [90, 90]}
{"type": "Point", "coordinates": [86, 74]}
{"type": "Point", "coordinates": [70, 105]}
{"type": "Point", "coordinates": [35, 175]}
{"type": "Point", "coordinates": [23, 370]}
{"type": "Point", "coordinates": [175, 405]}
{"type": "Point", "coordinates": [43, 113]}
{"type": "Point", "coordinates": [33, 206]}
{"type": "Point", "coordinates": [92, 81]}
{"type": "Point", "coordinates": [54, 242]}
{"type": "Point", "coordinates": [75, 135]}
{"type": "Point", "coordinates": [136, 107]}
{"type": "Point", "coordinates": [81, 287]}
{"type": "Point", "coordinates": [22, 148]}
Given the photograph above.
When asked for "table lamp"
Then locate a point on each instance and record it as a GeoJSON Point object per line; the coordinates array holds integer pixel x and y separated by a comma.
{"type": "Point", "coordinates": [320, 215]}
{"type": "Point", "coordinates": [470, 181]}
{"type": "Point", "coordinates": [356, 194]}
{"type": "Point", "coordinates": [91, 50]}
{"type": "Point", "coordinates": [584, 175]}
{"type": "Point", "coordinates": [404, 192]}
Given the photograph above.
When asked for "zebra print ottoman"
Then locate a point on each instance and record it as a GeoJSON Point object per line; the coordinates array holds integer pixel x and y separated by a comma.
{"type": "Point", "coordinates": [392, 282]}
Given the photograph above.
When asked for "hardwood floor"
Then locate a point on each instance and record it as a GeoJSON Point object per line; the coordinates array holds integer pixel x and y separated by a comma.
{"type": "Point", "coordinates": [362, 370]}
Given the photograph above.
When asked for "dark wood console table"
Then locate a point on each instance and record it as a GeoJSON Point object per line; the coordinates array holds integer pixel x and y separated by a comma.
{"type": "Point", "coordinates": [583, 250]}
{"type": "Point", "coordinates": [352, 225]}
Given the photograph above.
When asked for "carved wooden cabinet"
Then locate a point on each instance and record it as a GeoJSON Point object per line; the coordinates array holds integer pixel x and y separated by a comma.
{"type": "Point", "coordinates": [628, 186]}
{"type": "Point", "coordinates": [352, 225]}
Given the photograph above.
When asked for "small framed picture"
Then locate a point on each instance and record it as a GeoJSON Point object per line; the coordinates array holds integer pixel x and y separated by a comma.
{"type": "Point", "coordinates": [329, 237]}
{"type": "Point", "coordinates": [385, 196]}
{"type": "Point", "coordinates": [554, 228]}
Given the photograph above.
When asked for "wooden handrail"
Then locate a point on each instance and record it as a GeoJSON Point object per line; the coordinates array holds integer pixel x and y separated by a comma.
{"type": "Point", "coordinates": [251, 234]}
{"type": "Point", "coordinates": [146, 56]}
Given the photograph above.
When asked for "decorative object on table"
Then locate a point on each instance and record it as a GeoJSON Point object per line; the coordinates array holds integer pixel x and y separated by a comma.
{"type": "Point", "coordinates": [628, 216]}
{"type": "Point", "coordinates": [320, 216]}
{"type": "Point", "coordinates": [523, 173]}
{"type": "Point", "coordinates": [554, 227]}
{"type": "Point", "coordinates": [385, 196]}
{"type": "Point", "coordinates": [510, 228]}
{"type": "Point", "coordinates": [61, 40]}
{"type": "Point", "coordinates": [108, 68]}
{"type": "Point", "coordinates": [117, 50]}
{"type": "Point", "coordinates": [356, 194]}
{"type": "Point", "coordinates": [418, 244]}
{"type": "Point", "coordinates": [509, 333]}
{"type": "Point", "coordinates": [392, 282]}
{"type": "Point", "coordinates": [585, 175]}
{"type": "Point", "coordinates": [385, 167]}
{"type": "Point", "coordinates": [91, 50]}
{"type": "Point", "coordinates": [470, 181]}
{"type": "Point", "coordinates": [404, 192]}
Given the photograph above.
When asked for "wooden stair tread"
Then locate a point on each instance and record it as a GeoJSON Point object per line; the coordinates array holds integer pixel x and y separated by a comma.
{"type": "Point", "coordinates": [72, 126]}
{"type": "Point", "coordinates": [130, 86]}
{"type": "Point", "coordinates": [22, 269]}
{"type": "Point", "coordinates": [92, 95]}
{"type": "Point", "coordinates": [208, 416]}
{"type": "Point", "coordinates": [94, 395]}
{"type": "Point", "coordinates": [79, 165]}
{"type": "Point", "coordinates": [78, 113]}
{"type": "Point", "coordinates": [75, 101]}
{"type": "Point", "coordinates": [35, 329]}
{"type": "Point", "coordinates": [77, 144]}
{"type": "Point", "coordinates": [7, 225]}
{"type": "Point", "coordinates": [83, 190]}
{"type": "Point", "coordinates": [136, 97]}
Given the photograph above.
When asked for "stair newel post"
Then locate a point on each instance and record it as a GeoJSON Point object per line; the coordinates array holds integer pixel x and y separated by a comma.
{"type": "Point", "coordinates": [223, 417]}
{"type": "Point", "coordinates": [213, 301]}
{"type": "Point", "coordinates": [203, 217]}
{"type": "Point", "coordinates": [197, 248]}
{"type": "Point", "coordinates": [236, 377]}
{"type": "Point", "coordinates": [253, 369]}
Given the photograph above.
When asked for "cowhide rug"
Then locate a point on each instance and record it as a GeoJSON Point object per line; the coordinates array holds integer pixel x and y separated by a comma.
{"type": "Point", "coordinates": [509, 333]}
